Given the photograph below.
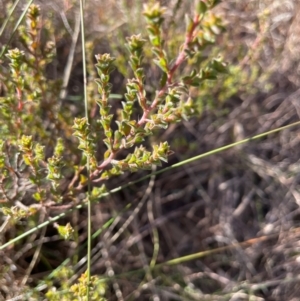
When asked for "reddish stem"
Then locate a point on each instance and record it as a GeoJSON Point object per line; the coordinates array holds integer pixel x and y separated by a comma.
{"type": "Point", "coordinates": [19, 96]}
{"type": "Point", "coordinates": [182, 55]}
{"type": "Point", "coordinates": [180, 59]}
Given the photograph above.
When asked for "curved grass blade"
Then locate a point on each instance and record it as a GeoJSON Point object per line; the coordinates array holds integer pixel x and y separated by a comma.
{"type": "Point", "coordinates": [117, 189]}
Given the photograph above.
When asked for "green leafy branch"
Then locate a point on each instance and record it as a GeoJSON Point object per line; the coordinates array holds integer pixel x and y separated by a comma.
{"type": "Point", "coordinates": [171, 102]}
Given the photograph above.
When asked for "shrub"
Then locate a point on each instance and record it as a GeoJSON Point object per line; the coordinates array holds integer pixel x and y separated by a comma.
{"type": "Point", "coordinates": [50, 158]}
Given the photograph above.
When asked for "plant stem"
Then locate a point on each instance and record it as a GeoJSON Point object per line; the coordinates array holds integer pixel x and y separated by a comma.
{"type": "Point", "coordinates": [179, 164]}
{"type": "Point", "coordinates": [89, 221]}
{"type": "Point", "coordinates": [15, 28]}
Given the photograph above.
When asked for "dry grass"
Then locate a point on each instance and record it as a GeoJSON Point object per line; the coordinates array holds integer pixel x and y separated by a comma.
{"type": "Point", "coordinates": [245, 194]}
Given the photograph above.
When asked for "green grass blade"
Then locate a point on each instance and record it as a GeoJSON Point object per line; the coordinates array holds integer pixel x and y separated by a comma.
{"type": "Point", "coordinates": [207, 154]}
{"type": "Point", "coordinates": [5, 47]}
{"type": "Point", "coordinates": [8, 17]}
{"type": "Point", "coordinates": [89, 205]}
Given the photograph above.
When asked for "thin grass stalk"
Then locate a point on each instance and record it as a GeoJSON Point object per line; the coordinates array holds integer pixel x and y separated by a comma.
{"type": "Point", "coordinates": [89, 221]}
{"type": "Point", "coordinates": [194, 256]}
{"type": "Point", "coordinates": [179, 164]}
{"type": "Point", "coordinates": [8, 17]}
{"type": "Point", "coordinates": [5, 47]}
{"type": "Point", "coordinates": [67, 260]}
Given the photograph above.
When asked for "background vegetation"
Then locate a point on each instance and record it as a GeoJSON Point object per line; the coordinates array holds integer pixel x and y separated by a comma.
{"type": "Point", "coordinates": [222, 228]}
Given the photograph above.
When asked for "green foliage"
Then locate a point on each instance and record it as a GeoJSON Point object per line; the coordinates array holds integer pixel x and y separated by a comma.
{"type": "Point", "coordinates": [48, 147]}
{"type": "Point", "coordinates": [77, 291]}
{"type": "Point", "coordinates": [65, 231]}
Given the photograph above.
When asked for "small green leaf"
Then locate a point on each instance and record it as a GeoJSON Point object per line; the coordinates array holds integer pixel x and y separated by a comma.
{"type": "Point", "coordinates": [162, 64]}
{"type": "Point", "coordinates": [219, 66]}
{"type": "Point", "coordinates": [67, 232]}
{"type": "Point", "coordinates": [201, 8]}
